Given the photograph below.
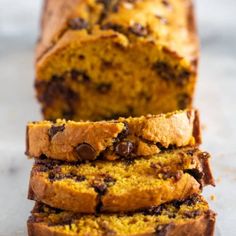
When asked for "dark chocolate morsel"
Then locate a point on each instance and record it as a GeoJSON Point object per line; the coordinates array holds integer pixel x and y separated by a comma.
{"type": "Point", "coordinates": [79, 76]}
{"type": "Point", "coordinates": [55, 129]}
{"type": "Point", "coordinates": [100, 188]}
{"type": "Point", "coordinates": [155, 210]}
{"type": "Point", "coordinates": [192, 214]}
{"type": "Point", "coordinates": [86, 152]}
{"type": "Point", "coordinates": [78, 23]}
{"type": "Point", "coordinates": [184, 101]}
{"type": "Point", "coordinates": [124, 148]}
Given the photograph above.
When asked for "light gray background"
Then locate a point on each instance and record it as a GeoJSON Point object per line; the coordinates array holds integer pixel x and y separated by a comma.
{"type": "Point", "coordinates": [216, 99]}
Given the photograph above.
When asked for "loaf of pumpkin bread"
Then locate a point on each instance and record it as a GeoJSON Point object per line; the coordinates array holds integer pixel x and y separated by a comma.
{"type": "Point", "coordinates": [99, 59]}
{"type": "Point", "coordinates": [122, 138]}
{"type": "Point", "coordinates": [123, 185]}
{"type": "Point", "coordinates": [179, 218]}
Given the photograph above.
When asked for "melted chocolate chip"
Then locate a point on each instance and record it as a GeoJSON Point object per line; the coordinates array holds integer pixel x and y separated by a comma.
{"type": "Point", "coordinates": [128, 161]}
{"type": "Point", "coordinates": [85, 152]}
{"type": "Point", "coordinates": [183, 100]}
{"type": "Point", "coordinates": [138, 29]}
{"type": "Point", "coordinates": [55, 129]}
{"type": "Point", "coordinates": [124, 148]}
{"type": "Point", "coordinates": [68, 114]}
{"type": "Point", "coordinates": [80, 178]}
{"type": "Point", "coordinates": [112, 26]}
{"type": "Point", "coordinates": [174, 175]}
{"type": "Point", "coordinates": [79, 76]}
{"type": "Point", "coordinates": [124, 133]}
{"type": "Point", "coordinates": [103, 88]}
{"type": "Point", "coordinates": [192, 200]}
{"type": "Point", "coordinates": [191, 152]}
{"type": "Point", "coordinates": [109, 180]}
{"type": "Point", "coordinates": [196, 174]}
{"type": "Point", "coordinates": [51, 176]}
{"type": "Point", "coordinates": [153, 210]}
{"type": "Point", "coordinates": [192, 214]}
{"type": "Point", "coordinates": [78, 23]}
{"type": "Point", "coordinates": [99, 187]}
{"type": "Point", "coordinates": [164, 70]}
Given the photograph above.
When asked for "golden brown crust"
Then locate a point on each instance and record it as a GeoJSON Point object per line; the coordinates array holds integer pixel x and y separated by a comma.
{"type": "Point", "coordinates": [58, 12]}
{"type": "Point", "coordinates": [148, 136]}
{"type": "Point", "coordinates": [170, 176]}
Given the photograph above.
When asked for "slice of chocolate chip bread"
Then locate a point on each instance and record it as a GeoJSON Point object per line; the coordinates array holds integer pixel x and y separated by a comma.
{"type": "Point", "coordinates": [179, 218]}
{"type": "Point", "coordinates": [123, 185]}
{"type": "Point", "coordinates": [99, 59]}
{"type": "Point", "coordinates": [122, 138]}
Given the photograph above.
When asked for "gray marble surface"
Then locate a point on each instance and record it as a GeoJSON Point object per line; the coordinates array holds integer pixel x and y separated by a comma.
{"type": "Point", "coordinates": [216, 99]}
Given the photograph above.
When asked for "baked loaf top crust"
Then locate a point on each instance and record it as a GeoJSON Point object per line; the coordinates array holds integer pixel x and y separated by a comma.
{"type": "Point", "coordinates": [169, 23]}
{"type": "Point", "coordinates": [123, 185]}
{"type": "Point", "coordinates": [190, 217]}
{"type": "Point", "coordinates": [99, 59]}
{"type": "Point", "coordinates": [131, 137]}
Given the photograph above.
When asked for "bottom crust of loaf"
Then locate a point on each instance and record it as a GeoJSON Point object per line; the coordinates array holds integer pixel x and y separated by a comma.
{"type": "Point", "coordinates": [189, 217]}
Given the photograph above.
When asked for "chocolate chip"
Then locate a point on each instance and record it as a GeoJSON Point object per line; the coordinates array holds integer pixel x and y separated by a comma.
{"type": "Point", "coordinates": [124, 133]}
{"type": "Point", "coordinates": [124, 148]}
{"type": "Point", "coordinates": [80, 178]}
{"type": "Point", "coordinates": [164, 70]}
{"type": "Point", "coordinates": [109, 180]}
{"type": "Point", "coordinates": [112, 26]}
{"type": "Point", "coordinates": [99, 187]}
{"type": "Point", "coordinates": [193, 200]}
{"type": "Point", "coordinates": [85, 152]}
{"type": "Point", "coordinates": [174, 175]}
{"type": "Point", "coordinates": [51, 176]}
{"type": "Point", "coordinates": [192, 214]}
{"type": "Point", "coordinates": [79, 76]}
{"type": "Point", "coordinates": [68, 114]}
{"type": "Point", "coordinates": [138, 29]}
{"type": "Point", "coordinates": [103, 88]}
{"type": "Point", "coordinates": [128, 161]}
{"type": "Point", "coordinates": [78, 23]}
{"type": "Point", "coordinates": [153, 210]}
{"type": "Point", "coordinates": [184, 100]}
{"type": "Point", "coordinates": [55, 129]}
{"type": "Point", "coordinates": [198, 175]}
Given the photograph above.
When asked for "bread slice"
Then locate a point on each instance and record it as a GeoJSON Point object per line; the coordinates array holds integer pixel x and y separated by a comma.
{"type": "Point", "coordinates": [179, 218]}
{"type": "Point", "coordinates": [122, 138]}
{"type": "Point", "coordinates": [103, 59]}
{"type": "Point", "coordinates": [123, 185]}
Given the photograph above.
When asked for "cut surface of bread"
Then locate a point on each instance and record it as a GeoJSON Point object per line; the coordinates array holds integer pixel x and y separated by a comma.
{"type": "Point", "coordinates": [120, 186]}
{"type": "Point", "coordinates": [113, 139]}
{"type": "Point", "coordinates": [190, 217]}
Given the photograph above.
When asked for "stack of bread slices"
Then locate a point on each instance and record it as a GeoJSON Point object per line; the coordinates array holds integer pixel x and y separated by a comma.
{"type": "Point", "coordinates": [131, 176]}
{"type": "Point", "coordinates": [103, 166]}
